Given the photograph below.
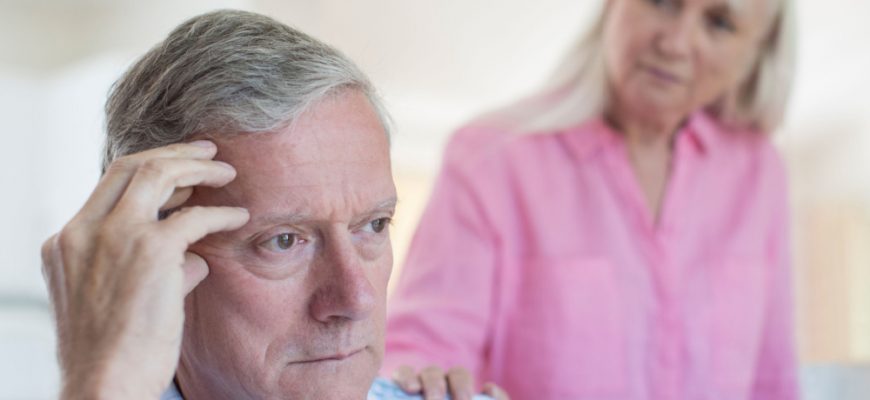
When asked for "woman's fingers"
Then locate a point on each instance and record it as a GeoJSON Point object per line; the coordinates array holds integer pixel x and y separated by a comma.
{"type": "Point", "coordinates": [460, 383]}
{"type": "Point", "coordinates": [113, 184]}
{"type": "Point", "coordinates": [434, 383]}
{"type": "Point", "coordinates": [407, 379]}
{"type": "Point", "coordinates": [492, 390]}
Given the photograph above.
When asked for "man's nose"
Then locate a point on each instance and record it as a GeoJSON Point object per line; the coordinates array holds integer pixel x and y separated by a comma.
{"type": "Point", "coordinates": [345, 291]}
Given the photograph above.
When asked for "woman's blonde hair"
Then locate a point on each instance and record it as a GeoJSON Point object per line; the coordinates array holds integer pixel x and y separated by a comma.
{"type": "Point", "coordinates": [578, 89]}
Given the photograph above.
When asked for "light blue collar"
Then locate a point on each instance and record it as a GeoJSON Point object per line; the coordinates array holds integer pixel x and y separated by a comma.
{"type": "Point", "coordinates": [382, 389]}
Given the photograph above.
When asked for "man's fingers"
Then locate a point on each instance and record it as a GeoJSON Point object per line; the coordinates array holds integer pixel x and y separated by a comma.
{"type": "Point", "coordinates": [492, 390]}
{"type": "Point", "coordinates": [48, 251]}
{"type": "Point", "coordinates": [460, 383]}
{"type": "Point", "coordinates": [190, 224]}
{"type": "Point", "coordinates": [113, 184]}
{"type": "Point", "coordinates": [179, 196]}
{"type": "Point", "coordinates": [195, 270]}
{"type": "Point", "coordinates": [53, 273]}
{"type": "Point", "coordinates": [51, 263]}
{"type": "Point", "coordinates": [156, 180]}
{"type": "Point", "coordinates": [407, 379]}
{"type": "Point", "coordinates": [434, 383]}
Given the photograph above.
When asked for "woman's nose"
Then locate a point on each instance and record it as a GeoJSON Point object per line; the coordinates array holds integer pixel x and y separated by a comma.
{"type": "Point", "coordinates": [675, 39]}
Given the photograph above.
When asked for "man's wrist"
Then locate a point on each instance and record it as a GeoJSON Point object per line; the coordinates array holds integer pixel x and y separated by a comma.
{"type": "Point", "coordinates": [100, 387]}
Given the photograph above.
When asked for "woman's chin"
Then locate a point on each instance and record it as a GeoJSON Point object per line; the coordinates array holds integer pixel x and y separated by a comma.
{"type": "Point", "coordinates": [655, 108]}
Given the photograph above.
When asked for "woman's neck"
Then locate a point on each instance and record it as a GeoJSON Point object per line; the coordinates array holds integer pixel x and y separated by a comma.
{"type": "Point", "coordinates": [649, 144]}
{"type": "Point", "coordinates": [644, 133]}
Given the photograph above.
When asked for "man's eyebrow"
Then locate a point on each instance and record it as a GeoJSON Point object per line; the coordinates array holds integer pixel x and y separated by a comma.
{"type": "Point", "coordinates": [287, 218]}
{"type": "Point", "coordinates": [388, 204]}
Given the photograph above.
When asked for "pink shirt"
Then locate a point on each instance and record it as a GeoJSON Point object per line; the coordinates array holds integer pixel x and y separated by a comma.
{"type": "Point", "coordinates": [537, 265]}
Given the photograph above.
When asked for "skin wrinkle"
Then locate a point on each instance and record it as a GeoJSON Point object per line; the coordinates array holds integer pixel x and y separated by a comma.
{"type": "Point", "coordinates": [328, 296]}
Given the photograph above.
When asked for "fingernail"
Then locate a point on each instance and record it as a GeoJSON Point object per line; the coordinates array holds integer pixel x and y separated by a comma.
{"type": "Point", "coordinates": [203, 143]}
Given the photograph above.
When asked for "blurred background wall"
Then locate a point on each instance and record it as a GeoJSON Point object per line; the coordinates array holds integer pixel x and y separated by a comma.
{"type": "Point", "coordinates": [437, 64]}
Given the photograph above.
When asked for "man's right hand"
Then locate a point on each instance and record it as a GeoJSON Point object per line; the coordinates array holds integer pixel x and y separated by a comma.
{"type": "Point", "coordinates": [117, 276]}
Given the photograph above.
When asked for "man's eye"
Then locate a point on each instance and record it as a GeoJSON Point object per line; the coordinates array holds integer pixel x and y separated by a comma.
{"type": "Point", "coordinates": [379, 224]}
{"type": "Point", "coordinates": [281, 242]}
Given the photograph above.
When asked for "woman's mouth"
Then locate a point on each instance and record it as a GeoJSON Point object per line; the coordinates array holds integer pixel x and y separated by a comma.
{"type": "Point", "coordinates": [662, 75]}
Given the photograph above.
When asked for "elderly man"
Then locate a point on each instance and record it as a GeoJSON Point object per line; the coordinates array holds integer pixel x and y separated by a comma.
{"type": "Point", "coordinates": [238, 239]}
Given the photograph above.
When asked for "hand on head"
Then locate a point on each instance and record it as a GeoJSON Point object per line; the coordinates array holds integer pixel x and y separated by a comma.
{"type": "Point", "coordinates": [117, 276]}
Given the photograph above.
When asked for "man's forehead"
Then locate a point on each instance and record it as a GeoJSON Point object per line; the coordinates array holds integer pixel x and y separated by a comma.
{"type": "Point", "coordinates": [333, 160]}
{"type": "Point", "coordinates": [311, 187]}
{"type": "Point", "coordinates": [277, 167]}
{"type": "Point", "coordinates": [339, 128]}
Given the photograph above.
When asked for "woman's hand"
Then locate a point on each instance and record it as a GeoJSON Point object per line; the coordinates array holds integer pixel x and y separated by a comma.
{"type": "Point", "coordinates": [434, 384]}
{"type": "Point", "coordinates": [117, 276]}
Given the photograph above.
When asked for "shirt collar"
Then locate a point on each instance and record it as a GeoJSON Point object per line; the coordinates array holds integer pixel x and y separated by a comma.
{"type": "Point", "coordinates": [172, 392]}
{"type": "Point", "coordinates": [590, 137]}
{"type": "Point", "coordinates": [703, 130]}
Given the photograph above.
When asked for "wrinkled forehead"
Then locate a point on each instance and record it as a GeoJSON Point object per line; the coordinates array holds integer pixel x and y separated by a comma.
{"type": "Point", "coordinates": [335, 157]}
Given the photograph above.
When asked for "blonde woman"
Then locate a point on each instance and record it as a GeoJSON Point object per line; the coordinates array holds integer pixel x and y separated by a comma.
{"type": "Point", "coordinates": [624, 233]}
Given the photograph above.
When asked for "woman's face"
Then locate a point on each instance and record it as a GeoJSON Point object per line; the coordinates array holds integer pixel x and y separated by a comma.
{"type": "Point", "coordinates": [668, 58]}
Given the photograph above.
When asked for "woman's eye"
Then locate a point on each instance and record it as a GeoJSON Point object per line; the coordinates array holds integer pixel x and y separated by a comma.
{"type": "Point", "coordinates": [721, 22]}
{"type": "Point", "coordinates": [378, 225]}
{"type": "Point", "coordinates": [661, 3]}
{"type": "Point", "coordinates": [281, 242]}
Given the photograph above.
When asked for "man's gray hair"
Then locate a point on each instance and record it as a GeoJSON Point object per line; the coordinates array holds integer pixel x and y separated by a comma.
{"type": "Point", "coordinates": [224, 72]}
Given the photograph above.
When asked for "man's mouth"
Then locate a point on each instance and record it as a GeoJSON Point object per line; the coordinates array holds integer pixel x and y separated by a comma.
{"type": "Point", "coordinates": [341, 356]}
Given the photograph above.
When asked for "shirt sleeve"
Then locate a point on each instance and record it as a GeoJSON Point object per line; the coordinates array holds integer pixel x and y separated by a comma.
{"type": "Point", "coordinates": [441, 309]}
{"type": "Point", "coordinates": [776, 376]}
